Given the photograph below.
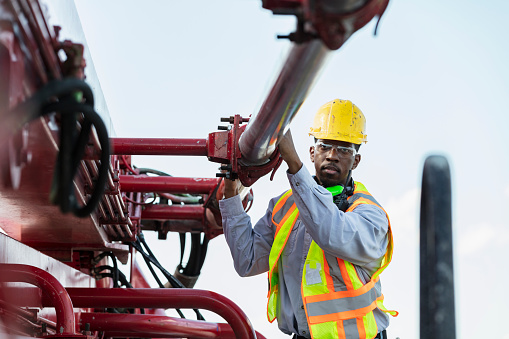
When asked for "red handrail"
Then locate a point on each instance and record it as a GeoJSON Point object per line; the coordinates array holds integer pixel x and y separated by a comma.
{"type": "Point", "coordinates": [145, 183]}
{"type": "Point", "coordinates": [165, 298]}
{"type": "Point", "coordinates": [159, 146]}
{"type": "Point", "coordinates": [128, 325]}
{"type": "Point", "coordinates": [58, 296]}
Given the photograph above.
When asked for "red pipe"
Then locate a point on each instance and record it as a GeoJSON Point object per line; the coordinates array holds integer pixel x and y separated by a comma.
{"type": "Point", "coordinates": [165, 298]}
{"type": "Point", "coordinates": [164, 184]}
{"type": "Point", "coordinates": [150, 326]}
{"type": "Point", "coordinates": [57, 294]}
{"type": "Point", "coordinates": [176, 212]}
{"type": "Point", "coordinates": [158, 146]}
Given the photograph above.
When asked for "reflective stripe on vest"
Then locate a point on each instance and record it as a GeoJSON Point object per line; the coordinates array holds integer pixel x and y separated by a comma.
{"type": "Point", "coordinates": [337, 303]}
{"type": "Point", "coordinates": [284, 216]}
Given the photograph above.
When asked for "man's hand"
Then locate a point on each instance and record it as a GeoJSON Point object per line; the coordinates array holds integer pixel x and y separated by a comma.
{"type": "Point", "coordinates": [289, 154]}
{"type": "Point", "coordinates": [231, 188]}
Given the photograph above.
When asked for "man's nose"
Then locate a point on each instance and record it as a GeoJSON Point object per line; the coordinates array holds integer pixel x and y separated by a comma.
{"type": "Point", "coordinates": [333, 154]}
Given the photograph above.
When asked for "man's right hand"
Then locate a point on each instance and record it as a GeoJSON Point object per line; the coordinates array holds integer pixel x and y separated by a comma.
{"type": "Point", "coordinates": [231, 188]}
{"type": "Point", "coordinates": [289, 154]}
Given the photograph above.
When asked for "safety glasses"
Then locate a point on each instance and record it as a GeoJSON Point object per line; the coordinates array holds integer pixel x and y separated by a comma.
{"type": "Point", "coordinates": [342, 151]}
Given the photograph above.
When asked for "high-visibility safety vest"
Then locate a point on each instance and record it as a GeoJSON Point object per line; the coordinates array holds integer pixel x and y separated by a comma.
{"type": "Point", "coordinates": [337, 303]}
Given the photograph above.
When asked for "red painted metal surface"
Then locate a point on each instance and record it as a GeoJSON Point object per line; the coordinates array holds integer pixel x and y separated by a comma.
{"type": "Point", "coordinates": [176, 212]}
{"type": "Point", "coordinates": [159, 146]}
{"type": "Point", "coordinates": [164, 184]}
{"type": "Point", "coordinates": [166, 298]}
{"type": "Point", "coordinates": [29, 57]}
{"type": "Point", "coordinates": [50, 286]}
{"type": "Point", "coordinates": [137, 325]}
{"type": "Point", "coordinates": [133, 325]}
{"type": "Point", "coordinates": [27, 154]}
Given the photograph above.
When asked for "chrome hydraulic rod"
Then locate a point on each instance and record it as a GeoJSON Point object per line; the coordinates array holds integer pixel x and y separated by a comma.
{"type": "Point", "coordinates": [295, 80]}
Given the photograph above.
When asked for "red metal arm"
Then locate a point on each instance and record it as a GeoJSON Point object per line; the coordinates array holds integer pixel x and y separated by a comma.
{"type": "Point", "coordinates": [166, 298]}
{"type": "Point", "coordinates": [51, 287]}
{"type": "Point", "coordinates": [129, 325]}
{"type": "Point", "coordinates": [164, 184]}
{"type": "Point", "coordinates": [158, 146]}
{"type": "Point", "coordinates": [173, 212]}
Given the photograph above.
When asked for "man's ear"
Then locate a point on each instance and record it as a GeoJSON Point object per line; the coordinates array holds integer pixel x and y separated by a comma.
{"type": "Point", "coordinates": [312, 153]}
{"type": "Point", "coordinates": [356, 161]}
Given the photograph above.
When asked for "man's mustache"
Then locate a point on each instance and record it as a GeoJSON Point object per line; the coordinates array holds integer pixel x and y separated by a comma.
{"type": "Point", "coordinates": [331, 166]}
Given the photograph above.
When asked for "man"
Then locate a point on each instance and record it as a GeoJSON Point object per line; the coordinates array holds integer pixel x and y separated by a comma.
{"type": "Point", "coordinates": [324, 242]}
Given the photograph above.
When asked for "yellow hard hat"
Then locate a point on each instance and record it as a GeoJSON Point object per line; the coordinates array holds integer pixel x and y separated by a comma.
{"type": "Point", "coordinates": [340, 120]}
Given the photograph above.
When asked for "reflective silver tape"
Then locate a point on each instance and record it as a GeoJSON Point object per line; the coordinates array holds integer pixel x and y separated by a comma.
{"type": "Point", "coordinates": [350, 327]}
{"type": "Point", "coordinates": [356, 196]}
{"type": "Point", "coordinates": [313, 276]}
{"type": "Point", "coordinates": [342, 304]}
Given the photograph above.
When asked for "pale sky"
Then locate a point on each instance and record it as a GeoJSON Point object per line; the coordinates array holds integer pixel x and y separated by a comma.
{"type": "Point", "coordinates": [433, 81]}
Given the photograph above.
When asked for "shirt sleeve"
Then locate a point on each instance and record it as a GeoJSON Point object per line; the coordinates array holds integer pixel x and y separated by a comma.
{"type": "Point", "coordinates": [249, 246]}
{"type": "Point", "coordinates": [359, 236]}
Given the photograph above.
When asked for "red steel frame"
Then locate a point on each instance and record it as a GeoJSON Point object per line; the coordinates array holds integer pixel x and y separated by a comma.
{"type": "Point", "coordinates": [166, 298]}
{"type": "Point", "coordinates": [129, 325]}
{"type": "Point", "coordinates": [151, 298]}
{"type": "Point", "coordinates": [259, 156]}
{"type": "Point", "coordinates": [159, 146]}
{"type": "Point", "coordinates": [50, 286]}
{"type": "Point", "coordinates": [166, 184]}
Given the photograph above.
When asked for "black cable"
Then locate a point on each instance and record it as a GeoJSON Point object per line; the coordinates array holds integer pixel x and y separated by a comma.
{"type": "Point", "coordinates": [100, 256]}
{"type": "Point", "coordinates": [57, 96]}
{"type": "Point", "coordinates": [116, 271]}
{"type": "Point", "coordinates": [149, 265]}
{"type": "Point", "coordinates": [174, 282]}
{"type": "Point", "coordinates": [153, 171]}
{"type": "Point", "coordinates": [204, 247]}
{"type": "Point", "coordinates": [197, 255]}
{"type": "Point", "coordinates": [158, 281]}
{"type": "Point", "coordinates": [117, 275]}
{"type": "Point", "coordinates": [186, 196]}
{"type": "Point", "coordinates": [113, 275]}
{"type": "Point", "coordinates": [30, 109]}
{"type": "Point", "coordinates": [62, 191]}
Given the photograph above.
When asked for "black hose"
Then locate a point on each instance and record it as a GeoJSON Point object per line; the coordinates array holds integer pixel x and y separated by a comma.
{"type": "Point", "coordinates": [154, 274]}
{"type": "Point", "coordinates": [174, 282]}
{"type": "Point", "coordinates": [115, 274]}
{"type": "Point", "coordinates": [62, 192]}
{"type": "Point", "coordinates": [197, 255]}
{"type": "Point", "coordinates": [115, 266]}
{"type": "Point", "coordinates": [31, 108]}
{"type": "Point", "coordinates": [57, 96]}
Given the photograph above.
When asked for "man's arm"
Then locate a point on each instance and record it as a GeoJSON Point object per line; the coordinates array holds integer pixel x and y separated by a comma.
{"type": "Point", "coordinates": [250, 247]}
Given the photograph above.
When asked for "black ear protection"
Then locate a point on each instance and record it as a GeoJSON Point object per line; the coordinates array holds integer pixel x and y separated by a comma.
{"type": "Point", "coordinates": [341, 199]}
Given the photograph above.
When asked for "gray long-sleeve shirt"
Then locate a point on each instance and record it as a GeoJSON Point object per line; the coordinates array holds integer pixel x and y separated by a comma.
{"type": "Point", "coordinates": [359, 237]}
